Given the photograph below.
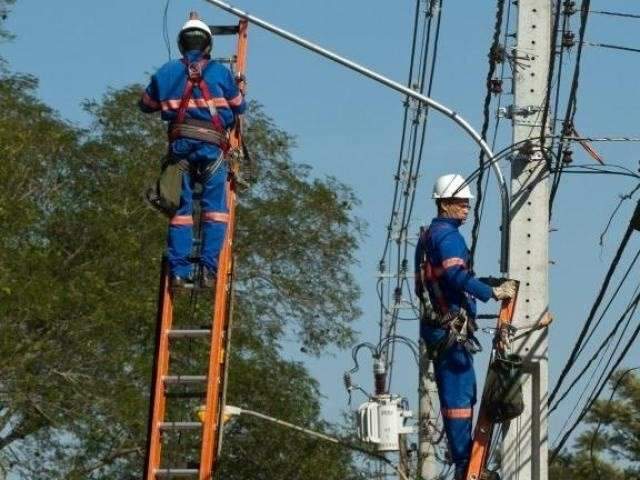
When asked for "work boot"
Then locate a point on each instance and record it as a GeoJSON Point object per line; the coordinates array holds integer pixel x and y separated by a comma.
{"type": "Point", "coordinates": [208, 278]}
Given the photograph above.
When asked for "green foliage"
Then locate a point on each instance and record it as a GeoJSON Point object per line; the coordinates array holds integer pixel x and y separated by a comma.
{"type": "Point", "coordinates": [610, 446]}
{"type": "Point", "coordinates": [79, 263]}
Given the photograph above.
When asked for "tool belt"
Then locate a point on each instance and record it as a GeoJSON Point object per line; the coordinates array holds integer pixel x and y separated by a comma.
{"type": "Point", "coordinates": [503, 388]}
{"type": "Point", "coordinates": [460, 329]}
{"type": "Point", "coordinates": [201, 130]}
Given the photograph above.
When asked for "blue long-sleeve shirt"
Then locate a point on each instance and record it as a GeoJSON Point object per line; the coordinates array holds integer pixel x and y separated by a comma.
{"type": "Point", "coordinates": [164, 92]}
{"type": "Point", "coordinates": [450, 285]}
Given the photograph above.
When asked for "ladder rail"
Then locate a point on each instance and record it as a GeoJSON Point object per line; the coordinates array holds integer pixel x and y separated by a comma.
{"type": "Point", "coordinates": [160, 370]}
{"type": "Point", "coordinates": [213, 418]}
{"type": "Point", "coordinates": [483, 432]}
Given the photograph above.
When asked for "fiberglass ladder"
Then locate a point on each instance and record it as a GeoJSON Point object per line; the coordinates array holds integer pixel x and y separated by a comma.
{"type": "Point", "coordinates": [168, 337]}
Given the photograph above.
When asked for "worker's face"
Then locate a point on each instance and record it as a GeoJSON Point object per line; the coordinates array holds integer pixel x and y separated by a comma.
{"type": "Point", "coordinates": [456, 208]}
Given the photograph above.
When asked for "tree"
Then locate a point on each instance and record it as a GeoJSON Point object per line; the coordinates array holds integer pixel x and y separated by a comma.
{"type": "Point", "coordinates": [79, 260]}
{"type": "Point", "coordinates": [610, 446]}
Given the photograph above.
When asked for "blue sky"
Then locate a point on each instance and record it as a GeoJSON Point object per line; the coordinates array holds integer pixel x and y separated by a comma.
{"type": "Point", "coordinates": [349, 127]}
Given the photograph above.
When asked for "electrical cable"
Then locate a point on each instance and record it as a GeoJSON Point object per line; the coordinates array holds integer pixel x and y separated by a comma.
{"type": "Point", "coordinates": [613, 47]}
{"type": "Point", "coordinates": [597, 429]}
{"type": "Point", "coordinates": [605, 284]}
{"type": "Point", "coordinates": [615, 14]}
{"type": "Point", "coordinates": [598, 389]}
{"type": "Point", "coordinates": [567, 124]}
{"type": "Point", "coordinates": [165, 28]}
{"type": "Point", "coordinates": [596, 355]}
{"type": "Point", "coordinates": [493, 53]}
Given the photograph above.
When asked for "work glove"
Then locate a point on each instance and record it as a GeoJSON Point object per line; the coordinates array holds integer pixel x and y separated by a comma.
{"type": "Point", "coordinates": [505, 290]}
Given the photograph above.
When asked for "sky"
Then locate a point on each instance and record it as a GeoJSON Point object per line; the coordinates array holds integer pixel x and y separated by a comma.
{"type": "Point", "coordinates": [349, 127]}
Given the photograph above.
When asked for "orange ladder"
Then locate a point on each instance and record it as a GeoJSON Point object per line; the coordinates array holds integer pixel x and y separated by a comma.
{"type": "Point", "coordinates": [483, 433]}
{"type": "Point", "coordinates": [214, 382]}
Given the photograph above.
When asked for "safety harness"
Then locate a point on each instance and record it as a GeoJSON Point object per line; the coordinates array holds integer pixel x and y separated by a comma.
{"type": "Point", "coordinates": [459, 325]}
{"type": "Point", "coordinates": [183, 127]}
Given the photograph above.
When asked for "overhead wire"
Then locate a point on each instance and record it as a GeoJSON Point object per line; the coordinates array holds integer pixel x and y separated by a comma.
{"type": "Point", "coordinates": [412, 147]}
{"type": "Point", "coordinates": [570, 363]}
{"type": "Point", "coordinates": [165, 28]}
{"type": "Point", "coordinates": [597, 354]}
{"type": "Point", "coordinates": [494, 53]}
{"type": "Point", "coordinates": [598, 389]}
{"type": "Point", "coordinates": [567, 124]}
{"type": "Point", "coordinates": [615, 14]}
{"type": "Point", "coordinates": [594, 434]}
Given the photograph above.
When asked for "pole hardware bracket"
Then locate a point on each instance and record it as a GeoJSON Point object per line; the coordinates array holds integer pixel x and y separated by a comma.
{"type": "Point", "coordinates": [511, 111]}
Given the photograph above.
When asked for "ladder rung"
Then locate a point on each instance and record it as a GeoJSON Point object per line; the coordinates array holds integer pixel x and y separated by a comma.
{"type": "Point", "coordinates": [176, 472]}
{"type": "Point", "coordinates": [189, 333]}
{"type": "Point", "coordinates": [179, 379]}
{"type": "Point", "coordinates": [228, 60]}
{"type": "Point", "coordinates": [224, 29]}
{"type": "Point", "coordinates": [193, 394]}
{"type": "Point", "coordinates": [179, 425]}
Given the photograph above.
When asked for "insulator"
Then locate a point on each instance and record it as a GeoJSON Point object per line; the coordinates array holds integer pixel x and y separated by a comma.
{"type": "Point", "coordinates": [568, 39]}
{"type": "Point", "coordinates": [405, 265]}
{"type": "Point", "coordinates": [569, 7]}
{"type": "Point", "coordinates": [381, 266]}
{"type": "Point", "coordinates": [567, 156]}
{"type": "Point", "coordinates": [348, 383]}
{"type": "Point", "coordinates": [397, 294]}
{"type": "Point", "coordinates": [495, 85]}
{"type": "Point", "coordinates": [380, 375]}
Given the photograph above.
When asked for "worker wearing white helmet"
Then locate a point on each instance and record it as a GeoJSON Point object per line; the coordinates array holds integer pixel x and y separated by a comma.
{"type": "Point", "coordinates": [200, 100]}
{"type": "Point", "coordinates": [449, 290]}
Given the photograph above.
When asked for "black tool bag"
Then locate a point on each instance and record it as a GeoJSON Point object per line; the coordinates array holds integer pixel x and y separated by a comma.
{"type": "Point", "coordinates": [164, 194]}
{"type": "Point", "coordinates": [503, 392]}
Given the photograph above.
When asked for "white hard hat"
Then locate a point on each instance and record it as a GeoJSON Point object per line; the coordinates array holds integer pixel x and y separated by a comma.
{"type": "Point", "coordinates": [194, 23]}
{"type": "Point", "coordinates": [451, 186]}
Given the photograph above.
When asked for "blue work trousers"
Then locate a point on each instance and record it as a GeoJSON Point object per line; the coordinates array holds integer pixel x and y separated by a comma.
{"type": "Point", "coordinates": [456, 381]}
{"type": "Point", "coordinates": [213, 204]}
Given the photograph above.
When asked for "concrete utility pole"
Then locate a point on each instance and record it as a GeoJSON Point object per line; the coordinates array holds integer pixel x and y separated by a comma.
{"type": "Point", "coordinates": [429, 408]}
{"type": "Point", "coordinates": [525, 444]}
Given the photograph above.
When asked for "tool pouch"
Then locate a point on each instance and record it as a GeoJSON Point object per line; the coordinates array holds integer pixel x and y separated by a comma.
{"type": "Point", "coordinates": [503, 392]}
{"type": "Point", "coordinates": [164, 195]}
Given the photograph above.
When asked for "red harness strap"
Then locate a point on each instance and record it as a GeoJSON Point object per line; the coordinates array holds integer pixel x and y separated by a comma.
{"type": "Point", "coordinates": [431, 275]}
{"type": "Point", "coordinates": [194, 78]}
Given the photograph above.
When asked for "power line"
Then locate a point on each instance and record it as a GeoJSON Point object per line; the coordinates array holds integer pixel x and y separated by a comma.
{"type": "Point", "coordinates": [165, 28]}
{"type": "Point", "coordinates": [604, 343]}
{"type": "Point", "coordinates": [598, 389]}
{"type": "Point", "coordinates": [612, 47]}
{"type": "Point", "coordinates": [496, 53]}
{"type": "Point", "coordinates": [567, 124]}
{"type": "Point", "coordinates": [615, 14]}
{"type": "Point", "coordinates": [585, 328]}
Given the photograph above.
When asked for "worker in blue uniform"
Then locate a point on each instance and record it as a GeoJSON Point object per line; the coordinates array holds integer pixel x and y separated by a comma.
{"type": "Point", "coordinates": [450, 289]}
{"type": "Point", "coordinates": [200, 99]}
